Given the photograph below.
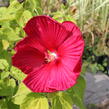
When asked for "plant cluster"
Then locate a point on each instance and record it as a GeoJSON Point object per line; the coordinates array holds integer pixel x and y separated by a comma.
{"type": "Point", "coordinates": [93, 18]}
{"type": "Point", "coordinates": [13, 93]}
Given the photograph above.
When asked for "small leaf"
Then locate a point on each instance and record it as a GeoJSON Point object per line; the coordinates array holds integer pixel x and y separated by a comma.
{"type": "Point", "coordinates": [26, 15]}
{"type": "Point", "coordinates": [5, 74]}
{"type": "Point", "coordinates": [17, 74]}
{"type": "Point", "coordinates": [3, 17]}
{"type": "Point", "coordinates": [3, 64]}
{"type": "Point", "coordinates": [15, 7]}
{"type": "Point", "coordinates": [7, 87]}
{"type": "Point", "coordinates": [31, 5]}
{"type": "Point", "coordinates": [5, 55]}
{"type": "Point", "coordinates": [10, 34]}
{"type": "Point", "coordinates": [5, 44]}
{"type": "Point", "coordinates": [70, 18]}
{"type": "Point", "coordinates": [1, 45]}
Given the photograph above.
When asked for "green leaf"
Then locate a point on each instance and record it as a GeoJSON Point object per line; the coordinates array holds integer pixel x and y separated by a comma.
{"type": "Point", "coordinates": [8, 104]}
{"type": "Point", "coordinates": [5, 44]}
{"type": "Point", "coordinates": [3, 104]}
{"type": "Point", "coordinates": [79, 88]}
{"type": "Point", "coordinates": [5, 55]}
{"type": "Point", "coordinates": [4, 24]}
{"type": "Point", "coordinates": [11, 11]}
{"type": "Point", "coordinates": [93, 67]}
{"type": "Point", "coordinates": [15, 7]}
{"type": "Point", "coordinates": [11, 105]}
{"type": "Point", "coordinates": [62, 101]}
{"type": "Point", "coordinates": [1, 45]}
{"type": "Point", "coordinates": [3, 17]}
{"type": "Point", "coordinates": [70, 18]}
{"type": "Point", "coordinates": [77, 92]}
{"type": "Point", "coordinates": [35, 101]}
{"type": "Point", "coordinates": [38, 11]}
{"type": "Point", "coordinates": [3, 64]}
{"type": "Point", "coordinates": [21, 94]}
{"type": "Point", "coordinates": [78, 101]}
{"type": "Point", "coordinates": [9, 34]}
{"type": "Point", "coordinates": [7, 87]}
{"type": "Point", "coordinates": [58, 16]}
{"type": "Point", "coordinates": [5, 74]}
{"type": "Point", "coordinates": [31, 5]}
{"type": "Point", "coordinates": [17, 74]}
{"type": "Point", "coordinates": [26, 15]}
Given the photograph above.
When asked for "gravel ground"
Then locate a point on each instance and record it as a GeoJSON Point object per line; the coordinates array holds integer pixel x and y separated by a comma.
{"type": "Point", "coordinates": [97, 91]}
{"type": "Point", "coordinates": [2, 4]}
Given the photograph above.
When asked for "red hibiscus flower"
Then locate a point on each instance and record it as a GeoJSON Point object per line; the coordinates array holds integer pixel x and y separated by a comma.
{"type": "Point", "coordinates": [50, 54]}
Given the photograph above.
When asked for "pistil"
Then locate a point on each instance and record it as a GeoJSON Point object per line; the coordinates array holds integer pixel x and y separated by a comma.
{"type": "Point", "coordinates": [50, 56]}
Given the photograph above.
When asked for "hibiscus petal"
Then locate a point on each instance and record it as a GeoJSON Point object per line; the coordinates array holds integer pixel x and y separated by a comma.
{"type": "Point", "coordinates": [70, 26]}
{"type": "Point", "coordinates": [50, 78]}
{"type": "Point", "coordinates": [28, 59]}
{"type": "Point", "coordinates": [48, 32]}
{"type": "Point", "coordinates": [72, 48]}
{"type": "Point", "coordinates": [31, 42]}
{"type": "Point", "coordinates": [62, 73]}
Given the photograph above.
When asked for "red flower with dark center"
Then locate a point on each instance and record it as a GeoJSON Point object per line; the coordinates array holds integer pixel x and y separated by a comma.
{"type": "Point", "coordinates": [50, 54]}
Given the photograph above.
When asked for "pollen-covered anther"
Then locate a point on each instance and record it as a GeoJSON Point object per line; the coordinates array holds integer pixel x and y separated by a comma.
{"type": "Point", "coordinates": [50, 56]}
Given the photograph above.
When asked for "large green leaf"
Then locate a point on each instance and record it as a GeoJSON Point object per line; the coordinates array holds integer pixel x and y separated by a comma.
{"type": "Point", "coordinates": [61, 100]}
{"type": "Point", "coordinates": [77, 92]}
{"type": "Point", "coordinates": [11, 105]}
{"type": "Point", "coordinates": [7, 87]}
{"type": "Point", "coordinates": [21, 94]}
{"type": "Point", "coordinates": [79, 88]}
{"type": "Point", "coordinates": [8, 104]}
{"type": "Point", "coordinates": [78, 101]}
{"type": "Point", "coordinates": [35, 101]}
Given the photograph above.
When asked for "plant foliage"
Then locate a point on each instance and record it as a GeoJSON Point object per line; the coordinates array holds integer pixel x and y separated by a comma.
{"type": "Point", "coordinates": [90, 15]}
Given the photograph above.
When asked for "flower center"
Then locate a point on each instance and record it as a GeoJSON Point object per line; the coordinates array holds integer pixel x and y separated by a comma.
{"type": "Point", "coordinates": [50, 56]}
